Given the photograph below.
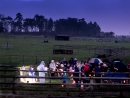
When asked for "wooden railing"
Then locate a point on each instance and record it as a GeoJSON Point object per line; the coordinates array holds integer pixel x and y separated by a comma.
{"type": "Point", "coordinates": [89, 86]}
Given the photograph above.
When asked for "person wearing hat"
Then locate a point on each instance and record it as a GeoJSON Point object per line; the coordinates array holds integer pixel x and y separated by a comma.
{"type": "Point", "coordinates": [52, 66]}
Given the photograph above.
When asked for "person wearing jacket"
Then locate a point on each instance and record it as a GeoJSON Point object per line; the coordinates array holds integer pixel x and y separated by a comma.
{"type": "Point", "coordinates": [76, 73]}
{"type": "Point", "coordinates": [52, 67]}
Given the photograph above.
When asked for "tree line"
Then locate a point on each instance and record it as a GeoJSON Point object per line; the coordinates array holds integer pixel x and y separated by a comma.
{"type": "Point", "coordinates": [39, 25]}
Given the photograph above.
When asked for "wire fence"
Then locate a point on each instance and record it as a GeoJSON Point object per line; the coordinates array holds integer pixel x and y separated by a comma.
{"type": "Point", "coordinates": [31, 59]}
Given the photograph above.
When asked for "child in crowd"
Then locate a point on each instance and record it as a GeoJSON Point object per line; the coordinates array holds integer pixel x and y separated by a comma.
{"type": "Point", "coordinates": [71, 74]}
{"type": "Point", "coordinates": [64, 76]}
{"type": "Point", "coordinates": [31, 71]}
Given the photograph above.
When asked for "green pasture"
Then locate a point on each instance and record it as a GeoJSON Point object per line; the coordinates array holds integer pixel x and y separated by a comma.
{"type": "Point", "coordinates": [31, 50]}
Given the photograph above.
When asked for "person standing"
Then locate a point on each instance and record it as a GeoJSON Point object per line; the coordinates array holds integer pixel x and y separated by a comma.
{"type": "Point", "coordinates": [86, 72]}
{"type": "Point", "coordinates": [86, 69]}
{"type": "Point", "coordinates": [42, 67]}
{"type": "Point", "coordinates": [64, 79]}
{"type": "Point", "coordinates": [97, 71]}
{"type": "Point", "coordinates": [76, 73]}
{"type": "Point", "coordinates": [52, 67]}
{"type": "Point", "coordinates": [31, 71]}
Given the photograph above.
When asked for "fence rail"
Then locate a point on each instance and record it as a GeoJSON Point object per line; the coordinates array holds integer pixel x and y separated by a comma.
{"type": "Point", "coordinates": [92, 50]}
{"type": "Point", "coordinates": [15, 81]}
{"type": "Point", "coordinates": [31, 59]}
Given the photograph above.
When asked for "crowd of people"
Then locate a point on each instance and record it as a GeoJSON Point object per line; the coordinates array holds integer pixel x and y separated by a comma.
{"type": "Point", "coordinates": [74, 66]}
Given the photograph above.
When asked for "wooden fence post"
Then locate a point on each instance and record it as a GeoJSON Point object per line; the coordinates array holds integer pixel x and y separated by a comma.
{"type": "Point", "coordinates": [13, 89]}
{"type": "Point", "coordinates": [18, 79]}
{"type": "Point", "coordinates": [5, 73]}
{"type": "Point", "coordinates": [121, 94]}
{"type": "Point", "coordinates": [129, 74]}
{"type": "Point", "coordinates": [67, 86]}
{"type": "Point", "coordinates": [91, 86]}
{"type": "Point", "coordinates": [49, 76]}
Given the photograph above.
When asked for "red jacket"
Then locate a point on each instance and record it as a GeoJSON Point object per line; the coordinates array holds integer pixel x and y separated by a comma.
{"type": "Point", "coordinates": [86, 68]}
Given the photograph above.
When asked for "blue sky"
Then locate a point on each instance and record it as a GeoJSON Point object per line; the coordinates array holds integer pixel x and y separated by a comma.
{"type": "Point", "coordinates": [111, 15]}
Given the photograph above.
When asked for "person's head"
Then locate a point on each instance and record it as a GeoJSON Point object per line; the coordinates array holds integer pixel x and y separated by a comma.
{"type": "Point", "coordinates": [104, 65]}
{"type": "Point", "coordinates": [64, 59]}
{"type": "Point", "coordinates": [101, 64]}
{"type": "Point", "coordinates": [71, 67]}
{"type": "Point", "coordinates": [85, 62]}
{"type": "Point", "coordinates": [68, 64]}
{"type": "Point", "coordinates": [71, 59]}
{"type": "Point", "coordinates": [57, 63]}
{"type": "Point", "coordinates": [42, 63]}
{"type": "Point", "coordinates": [77, 63]}
{"type": "Point", "coordinates": [31, 67]}
{"type": "Point", "coordinates": [75, 59]}
{"type": "Point", "coordinates": [62, 65]}
{"type": "Point", "coordinates": [52, 61]}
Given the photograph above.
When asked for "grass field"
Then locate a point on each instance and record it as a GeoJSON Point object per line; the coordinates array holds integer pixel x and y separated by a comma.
{"type": "Point", "coordinates": [31, 50]}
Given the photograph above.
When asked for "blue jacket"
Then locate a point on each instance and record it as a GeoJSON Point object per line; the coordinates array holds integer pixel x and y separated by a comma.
{"type": "Point", "coordinates": [64, 77]}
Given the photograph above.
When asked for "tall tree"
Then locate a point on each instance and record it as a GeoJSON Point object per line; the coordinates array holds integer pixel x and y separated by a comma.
{"type": "Point", "coordinates": [96, 29]}
{"type": "Point", "coordinates": [90, 27]}
{"type": "Point", "coordinates": [18, 21]}
{"type": "Point", "coordinates": [82, 27]}
{"type": "Point", "coordinates": [50, 25]}
{"type": "Point", "coordinates": [109, 34]}
{"type": "Point", "coordinates": [1, 24]}
{"type": "Point", "coordinates": [39, 20]}
{"type": "Point", "coordinates": [29, 24]}
{"type": "Point", "coordinates": [6, 24]}
{"type": "Point", "coordinates": [1, 27]}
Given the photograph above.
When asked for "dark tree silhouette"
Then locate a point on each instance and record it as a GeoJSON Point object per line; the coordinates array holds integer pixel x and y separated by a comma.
{"type": "Point", "coordinates": [29, 25]}
{"type": "Point", "coordinates": [43, 26]}
{"type": "Point", "coordinates": [50, 25]}
{"type": "Point", "coordinates": [18, 22]}
{"type": "Point", "coordinates": [39, 21]}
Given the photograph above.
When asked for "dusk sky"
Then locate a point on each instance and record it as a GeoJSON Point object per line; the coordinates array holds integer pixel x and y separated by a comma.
{"type": "Point", "coordinates": [110, 15]}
